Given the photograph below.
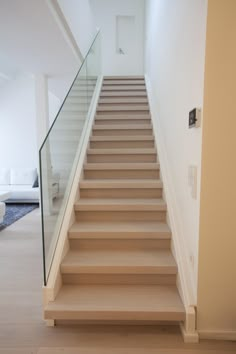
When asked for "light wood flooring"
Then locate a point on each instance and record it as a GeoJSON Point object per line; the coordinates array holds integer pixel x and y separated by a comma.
{"type": "Point", "coordinates": [22, 330]}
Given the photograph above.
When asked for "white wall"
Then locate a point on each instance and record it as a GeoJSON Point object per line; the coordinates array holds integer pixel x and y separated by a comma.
{"type": "Point", "coordinates": [175, 52]}
{"type": "Point", "coordinates": [54, 104]}
{"type": "Point", "coordinates": [80, 20]}
{"type": "Point", "coordinates": [18, 140]}
{"type": "Point", "coordinates": [105, 12]}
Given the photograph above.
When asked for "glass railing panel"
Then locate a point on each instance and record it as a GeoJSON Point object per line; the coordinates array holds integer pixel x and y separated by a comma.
{"type": "Point", "coordinates": [60, 151]}
{"type": "Point", "coordinates": [93, 64]}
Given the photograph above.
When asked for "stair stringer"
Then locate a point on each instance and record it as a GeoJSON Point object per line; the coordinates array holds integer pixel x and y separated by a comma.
{"type": "Point", "coordinates": [54, 282]}
{"type": "Point", "coordinates": [185, 283]}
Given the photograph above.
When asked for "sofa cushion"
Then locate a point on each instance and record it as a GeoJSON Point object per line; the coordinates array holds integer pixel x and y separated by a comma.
{"type": "Point", "coordinates": [23, 176]}
{"type": "Point", "coordinates": [28, 193]}
{"type": "Point", "coordinates": [4, 176]}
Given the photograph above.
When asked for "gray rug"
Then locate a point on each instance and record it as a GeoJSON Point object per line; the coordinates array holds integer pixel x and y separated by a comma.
{"type": "Point", "coordinates": [15, 212]}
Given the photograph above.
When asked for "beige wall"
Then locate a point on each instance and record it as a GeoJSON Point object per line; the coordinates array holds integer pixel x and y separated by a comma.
{"type": "Point", "coordinates": [217, 245]}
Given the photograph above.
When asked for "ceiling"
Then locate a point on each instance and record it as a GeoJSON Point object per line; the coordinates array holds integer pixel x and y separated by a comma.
{"type": "Point", "coordinates": [32, 42]}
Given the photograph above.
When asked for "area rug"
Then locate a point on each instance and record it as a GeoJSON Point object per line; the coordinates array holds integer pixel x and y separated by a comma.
{"type": "Point", "coordinates": [15, 212]}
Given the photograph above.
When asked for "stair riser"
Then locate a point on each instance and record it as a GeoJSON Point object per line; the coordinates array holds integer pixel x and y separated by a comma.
{"type": "Point", "coordinates": [122, 144]}
{"type": "Point", "coordinates": [120, 244]}
{"type": "Point", "coordinates": [118, 100]}
{"type": "Point", "coordinates": [116, 174]}
{"type": "Point", "coordinates": [120, 216]}
{"type": "Point", "coordinates": [122, 121]}
{"type": "Point", "coordinates": [142, 279]}
{"type": "Point", "coordinates": [121, 193]}
{"type": "Point", "coordinates": [123, 82]}
{"type": "Point", "coordinates": [113, 316]}
{"type": "Point", "coordinates": [114, 107]}
{"type": "Point", "coordinates": [121, 158]}
{"type": "Point", "coordinates": [123, 94]}
{"type": "Point", "coordinates": [121, 132]}
{"type": "Point", "coordinates": [120, 111]}
{"type": "Point", "coordinates": [123, 88]}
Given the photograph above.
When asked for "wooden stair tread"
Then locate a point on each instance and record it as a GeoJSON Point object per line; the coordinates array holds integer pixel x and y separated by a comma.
{"type": "Point", "coordinates": [119, 183]}
{"type": "Point", "coordinates": [123, 138]}
{"type": "Point", "coordinates": [122, 107]}
{"type": "Point", "coordinates": [122, 166]}
{"type": "Point", "coordinates": [137, 87]}
{"type": "Point", "coordinates": [138, 229]}
{"type": "Point", "coordinates": [122, 82]}
{"type": "Point", "coordinates": [106, 94]}
{"type": "Point", "coordinates": [123, 77]}
{"type": "Point", "coordinates": [112, 204]}
{"type": "Point", "coordinates": [122, 127]}
{"type": "Point", "coordinates": [118, 151]}
{"type": "Point", "coordinates": [147, 261]}
{"type": "Point", "coordinates": [128, 100]}
{"type": "Point", "coordinates": [122, 117]}
{"type": "Point", "coordinates": [117, 302]}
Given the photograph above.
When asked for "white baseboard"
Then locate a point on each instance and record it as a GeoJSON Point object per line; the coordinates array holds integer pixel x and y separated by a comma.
{"type": "Point", "coordinates": [218, 335]}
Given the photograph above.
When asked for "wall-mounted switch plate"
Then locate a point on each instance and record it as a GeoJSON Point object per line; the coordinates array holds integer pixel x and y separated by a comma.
{"type": "Point", "coordinates": [192, 180]}
{"type": "Point", "coordinates": [194, 120]}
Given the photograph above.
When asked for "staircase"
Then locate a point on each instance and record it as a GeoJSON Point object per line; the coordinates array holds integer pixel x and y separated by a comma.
{"type": "Point", "coordinates": [119, 268]}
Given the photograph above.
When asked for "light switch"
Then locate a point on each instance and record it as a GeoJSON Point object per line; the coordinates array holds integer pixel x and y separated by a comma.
{"type": "Point", "coordinates": [192, 180]}
{"type": "Point", "coordinates": [194, 120]}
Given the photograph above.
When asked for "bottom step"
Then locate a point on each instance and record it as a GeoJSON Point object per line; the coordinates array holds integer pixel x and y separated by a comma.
{"type": "Point", "coordinates": [116, 303]}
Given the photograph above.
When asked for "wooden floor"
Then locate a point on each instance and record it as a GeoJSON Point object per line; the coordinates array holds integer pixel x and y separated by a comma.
{"type": "Point", "coordinates": [22, 330]}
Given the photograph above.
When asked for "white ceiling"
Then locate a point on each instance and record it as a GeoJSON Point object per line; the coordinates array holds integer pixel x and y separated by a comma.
{"type": "Point", "coordinates": [32, 42]}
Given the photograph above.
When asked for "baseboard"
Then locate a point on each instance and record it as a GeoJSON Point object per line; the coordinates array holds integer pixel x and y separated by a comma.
{"type": "Point", "coordinates": [218, 335]}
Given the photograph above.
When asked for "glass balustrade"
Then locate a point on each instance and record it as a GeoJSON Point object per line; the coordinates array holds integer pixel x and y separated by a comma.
{"type": "Point", "coordinates": [60, 151]}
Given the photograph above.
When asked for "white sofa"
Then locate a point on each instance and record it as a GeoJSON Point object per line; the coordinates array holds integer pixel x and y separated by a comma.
{"type": "Point", "coordinates": [19, 182]}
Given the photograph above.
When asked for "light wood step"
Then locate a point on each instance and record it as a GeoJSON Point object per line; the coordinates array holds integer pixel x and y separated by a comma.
{"type": "Point", "coordinates": [138, 235]}
{"type": "Point", "coordinates": [121, 155]}
{"type": "Point", "coordinates": [122, 108]}
{"type": "Point", "coordinates": [120, 205]}
{"type": "Point", "coordinates": [119, 184]}
{"type": "Point", "coordinates": [121, 143]}
{"type": "Point", "coordinates": [121, 170]}
{"type": "Point", "coordinates": [124, 88]}
{"type": "Point", "coordinates": [126, 100]}
{"type": "Point", "coordinates": [122, 138]}
{"type": "Point", "coordinates": [134, 279]}
{"type": "Point", "coordinates": [128, 215]}
{"type": "Point", "coordinates": [118, 266]}
{"type": "Point", "coordinates": [121, 188]}
{"type": "Point", "coordinates": [107, 261]}
{"type": "Point", "coordinates": [124, 82]}
{"type": "Point", "coordinates": [121, 230]}
{"type": "Point", "coordinates": [116, 302]}
{"type": "Point", "coordinates": [119, 121]}
{"type": "Point", "coordinates": [123, 94]}
{"type": "Point", "coordinates": [122, 116]}
{"type": "Point", "coordinates": [124, 77]}
{"type": "Point", "coordinates": [133, 129]}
